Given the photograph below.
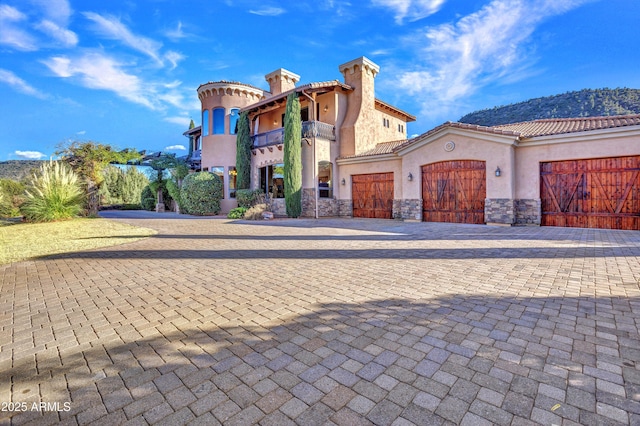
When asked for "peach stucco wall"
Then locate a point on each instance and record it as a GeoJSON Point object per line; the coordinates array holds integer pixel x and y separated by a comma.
{"type": "Point", "coordinates": [496, 153]}
{"type": "Point", "coordinates": [348, 170]}
{"type": "Point", "coordinates": [529, 154]}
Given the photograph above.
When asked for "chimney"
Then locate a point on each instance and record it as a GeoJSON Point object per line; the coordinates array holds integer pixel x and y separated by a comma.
{"type": "Point", "coordinates": [281, 80]}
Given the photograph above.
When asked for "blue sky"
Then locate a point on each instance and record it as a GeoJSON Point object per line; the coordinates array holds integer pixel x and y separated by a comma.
{"type": "Point", "coordinates": [126, 72]}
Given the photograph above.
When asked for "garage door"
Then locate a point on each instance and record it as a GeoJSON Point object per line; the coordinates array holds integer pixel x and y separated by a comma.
{"type": "Point", "coordinates": [454, 191]}
{"type": "Point", "coordinates": [372, 195]}
{"type": "Point", "coordinates": [594, 193]}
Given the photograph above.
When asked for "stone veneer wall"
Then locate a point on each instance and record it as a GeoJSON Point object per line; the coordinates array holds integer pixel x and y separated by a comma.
{"type": "Point", "coordinates": [409, 209]}
{"type": "Point", "coordinates": [528, 212]}
{"type": "Point", "coordinates": [499, 210]}
{"type": "Point", "coordinates": [345, 208]}
{"type": "Point", "coordinates": [278, 207]}
{"type": "Point", "coordinates": [327, 207]}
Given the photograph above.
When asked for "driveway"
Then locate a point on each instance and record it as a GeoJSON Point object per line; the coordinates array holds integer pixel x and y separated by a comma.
{"type": "Point", "coordinates": [333, 321]}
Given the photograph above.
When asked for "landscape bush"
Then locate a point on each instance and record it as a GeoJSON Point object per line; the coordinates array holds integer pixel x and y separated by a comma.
{"type": "Point", "coordinates": [237, 213]}
{"type": "Point", "coordinates": [122, 187]}
{"type": "Point", "coordinates": [148, 199]}
{"type": "Point", "coordinates": [201, 194]}
{"type": "Point", "coordinates": [11, 198]}
{"type": "Point", "coordinates": [249, 197]}
{"type": "Point", "coordinates": [54, 193]}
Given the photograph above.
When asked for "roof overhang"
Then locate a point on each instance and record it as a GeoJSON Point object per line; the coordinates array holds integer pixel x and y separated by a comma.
{"type": "Point", "coordinates": [583, 136]}
{"type": "Point", "coordinates": [396, 112]}
{"type": "Point", "coordinates": [367, 159]}
{"type": "Point", "coordinates": [277, 101]}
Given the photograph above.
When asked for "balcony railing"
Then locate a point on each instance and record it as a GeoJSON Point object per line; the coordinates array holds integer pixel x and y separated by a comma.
{"type": "Point", "coordinates": [195, 155]}
{"type": "Point", "coordinates": [309, 129]}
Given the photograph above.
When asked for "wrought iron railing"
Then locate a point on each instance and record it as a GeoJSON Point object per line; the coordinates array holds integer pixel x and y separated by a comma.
{"type": "Point", "coordinates": [309, 129]}
{"type": "Point", "coordinates": [195, 155]}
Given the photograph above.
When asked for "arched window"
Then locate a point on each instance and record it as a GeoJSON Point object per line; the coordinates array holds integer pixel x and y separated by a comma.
{"type": "Point", "coordinates": [218, 121]}
{"type": "Point", "coordinates": [233, 120]}
{"type": "Point", "coordinates": [205, 122]}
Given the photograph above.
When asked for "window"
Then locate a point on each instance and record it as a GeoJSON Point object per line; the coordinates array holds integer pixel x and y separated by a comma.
{"type": "Point", "coordinates": [233, 120]}
{"type": "Point", "coordinates": [325, 179]}
{"type": "Point", "coordinates": [218, 121]}
{"type": "Point", "coordinates": [205, 122]}
{"type": "Point", "coordinates": [272, 180]}
{"type": "Point", "coordinates": [385, 122]}
{"type": "Point", "coordinates": [400, 128]}
{"type": "Point", "coordinates": [233, 174]}
{"type": "Point", "coordinates": [219, 171]}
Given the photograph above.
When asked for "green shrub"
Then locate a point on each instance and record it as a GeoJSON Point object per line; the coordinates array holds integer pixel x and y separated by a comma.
{"type": "Point", "coordinates": [249, 197]}
{"type": "Point", "coordinates": [148, 199]}
{"type": "Point", "coordinates": [54, 193]}
{"type": "Point", "coordinates": [201, 193]}
{"type": "Point", "coordinates": [237, 213]}
{"type": "Point", "coordinates": [174, 191]}
{"type": "Point", "coordinates": [12, 197]}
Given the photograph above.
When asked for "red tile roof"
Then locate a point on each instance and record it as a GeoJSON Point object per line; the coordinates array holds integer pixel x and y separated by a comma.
{"type": "Point", "coordinates": [524, 130]}
{"type": "Point", "coordinates": [557, 126]}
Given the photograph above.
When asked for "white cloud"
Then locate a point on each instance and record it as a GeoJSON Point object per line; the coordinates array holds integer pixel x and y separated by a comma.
{"type": "Point", "coordinates": [12, 34]}
{"type": "Point", "coordinates": [57, 11]}
{"type": "Point", "coordinates": [174, 58]}
{"type": "Point", "coordinates": [479, 49]}
{"type": "Point", "coordinates": [176, 33]}
{"type": "Point", "coordinates": [19, 84]}
{"type": "Point", "coordinates": [175, 148]}
{"type": "Point", "coordinates": [268, 11]}
{"type": "Point", "coordinates": [81, 132]}
{"type": "Point", "coordinates": [97, 71]}
{"type": "Point", "coordinates": [111, 27]}
{"type": "Point", "coordinates": [182, 121]}
{"type": "Point", "coordinates": [412, 10]}
{"type": "Point", "coordinates": [30, 155]}
{"type": "Point", "coordinates": [67, 37]}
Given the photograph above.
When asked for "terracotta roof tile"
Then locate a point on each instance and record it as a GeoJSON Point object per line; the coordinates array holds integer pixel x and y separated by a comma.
{"type": "Point", "coordinates": [557, 126]}
{"type": "Point", "coordinates": [380, 149]}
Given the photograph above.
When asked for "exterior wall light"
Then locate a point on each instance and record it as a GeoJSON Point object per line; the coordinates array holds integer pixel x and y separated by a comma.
{"type": "Point", "coordinates": [498, 172]}
{"type": "Point", "coordinates": [326, 108]}
{"type": "Point", "coordinates": [410, 177]}
{"type": "Point", "coordinates": [343, 182]}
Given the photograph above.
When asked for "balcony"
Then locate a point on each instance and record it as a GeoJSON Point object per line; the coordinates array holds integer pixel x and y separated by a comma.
{"type": "Point", "coordinates": [195, 155]}
{"type": "Point", "coordinates": [309, 129]}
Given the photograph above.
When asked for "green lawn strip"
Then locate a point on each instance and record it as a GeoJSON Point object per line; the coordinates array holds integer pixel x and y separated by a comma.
{"type": "Point", "coordinates": [28, 240]}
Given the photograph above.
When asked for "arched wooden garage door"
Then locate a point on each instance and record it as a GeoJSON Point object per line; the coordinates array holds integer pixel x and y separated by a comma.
{"type": "Point", "coordinates": [372, 195]}
{"type": "Point", "coordinates": [593, 193]}
{"type": "Point", "coordinates": [454, 191]}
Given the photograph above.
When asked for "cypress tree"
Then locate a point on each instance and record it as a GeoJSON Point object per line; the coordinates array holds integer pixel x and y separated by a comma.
{"type": "Point", "coordinates": [293, 156]}
{"type": "Point", "coordinates": [243, 152]}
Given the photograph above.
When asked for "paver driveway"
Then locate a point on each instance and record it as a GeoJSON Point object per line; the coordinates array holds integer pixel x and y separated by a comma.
{"type": "Point", "coordinates": [333, 321]}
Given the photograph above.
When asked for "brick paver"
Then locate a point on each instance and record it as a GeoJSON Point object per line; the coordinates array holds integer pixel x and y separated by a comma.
{"type": "Point", "coordinates": [338, 321]}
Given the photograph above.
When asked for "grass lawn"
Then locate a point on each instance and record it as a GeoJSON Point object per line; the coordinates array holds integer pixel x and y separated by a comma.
{"type": "Point", "coordinates": [20, 241]}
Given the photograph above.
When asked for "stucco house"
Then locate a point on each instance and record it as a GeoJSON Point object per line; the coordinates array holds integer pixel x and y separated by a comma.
{"type": "Point", "coordinates": [358, 162]}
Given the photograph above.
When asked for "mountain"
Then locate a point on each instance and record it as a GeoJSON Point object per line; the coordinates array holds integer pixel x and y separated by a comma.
{"type": "Point", "coordinates": [583, 103]}
{"type": "Point", "coordinates": [17, 169]}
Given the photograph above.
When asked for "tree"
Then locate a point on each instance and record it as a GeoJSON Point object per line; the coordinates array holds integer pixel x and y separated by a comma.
{"type": "Point", "coordinates": [88, 160]}
{"type": "Point", "coordinates": [293, 156]}
{"type": "Point", "coordinates": [191, 126]}
{"type": "Point", "coordinates": [243, 152]}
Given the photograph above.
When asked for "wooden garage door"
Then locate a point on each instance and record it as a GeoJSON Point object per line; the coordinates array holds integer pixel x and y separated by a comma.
{"type": "Point", "coordinates": [594, 193]}
{"type": "Point", "coordinates": [454, 191]}
{"type": "Point", "coordinates": [372, 195]}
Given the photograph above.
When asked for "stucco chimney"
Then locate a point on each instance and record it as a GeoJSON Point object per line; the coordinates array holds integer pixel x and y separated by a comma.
{"type": "Point", "coordinates": [357, 133]}
{"type": "Point", "coordinates": [281, 80]}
